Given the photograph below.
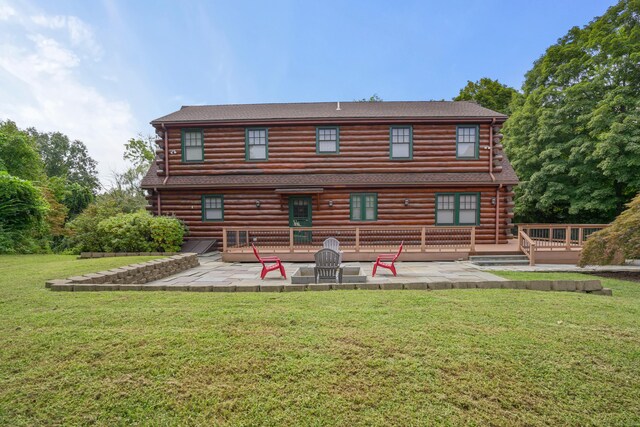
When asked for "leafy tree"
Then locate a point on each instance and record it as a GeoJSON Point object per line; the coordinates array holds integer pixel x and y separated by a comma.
{"type": "Point", "coordinates": [372, 98]}
{"type": "Point", "coordinates": [139, 151]}
{"type": "Point", "coordinates": [489, 93]}
{"type": "Point", "coordinates": [18, 153]}
{"type": "Point", "coordinates": [126, 185]}
{"type": "Point", "coordinates": [616, 243]}
{"type": "Point", "coordinates": [574, 137]}
{"type": "Point", "coordinates": [65, 158]}
{"type": "Point", "coordinates": [71, 194]}
{"type": "Point", "coordinates": [22, 214]}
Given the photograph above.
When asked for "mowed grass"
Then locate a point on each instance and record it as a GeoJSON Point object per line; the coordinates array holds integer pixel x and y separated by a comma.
{"type": "Point", "coordinates": [456, 357]}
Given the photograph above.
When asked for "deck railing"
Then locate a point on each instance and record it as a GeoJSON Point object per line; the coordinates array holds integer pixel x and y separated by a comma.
{"type": "Point", "coordinates": [553, 237]}
{"type": "Point", "coordinates": [357, 239]}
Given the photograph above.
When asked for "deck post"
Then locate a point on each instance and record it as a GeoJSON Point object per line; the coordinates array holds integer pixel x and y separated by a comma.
{"type": "Point", "coordinates": [423, 239]}
{"type": "Point", "coordinates": [473, 239]}
{"type": "Point", "coordinates": [357, 239]}
{"type": "Point", "coordinates": [532, 249]}
{"type": "Point", "coordinates": [580, 236]}
{"type": "Point", "coordinates": [567, 237]}
{"type": "Point", "coordinates": [290, 239]}
{"type": "Point", "coordinates": [238, 238]}
{"type": "Point", "coordinates": [224, 239]}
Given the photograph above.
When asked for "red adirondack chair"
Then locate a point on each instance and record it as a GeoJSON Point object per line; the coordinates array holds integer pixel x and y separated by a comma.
{"type": "Point", "coordinates": [383, 259]}
{"type": "Point", "coordinates": [275, 262]}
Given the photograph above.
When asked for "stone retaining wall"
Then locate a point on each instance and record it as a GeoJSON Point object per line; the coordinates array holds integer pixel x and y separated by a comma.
{"type": "Point", "coordinates": [134, 274]}
{"type": "Point", "coordinates": [582, 286]}
{"type": "Point", "coordinates": [87, 255]}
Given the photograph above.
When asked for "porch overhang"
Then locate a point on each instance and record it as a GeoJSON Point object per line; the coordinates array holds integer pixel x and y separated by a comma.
{"type": "Point", "coordinates": [281, 192]}
{"type": "Point", "coordinates": [308, 190]}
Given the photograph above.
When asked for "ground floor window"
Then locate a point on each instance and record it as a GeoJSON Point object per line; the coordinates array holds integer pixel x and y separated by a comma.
{"type": "Point", "coordinates": [364, 207]}
{"type": "Point", "coordinates": [212, 208]}
{"type": "Point", "coordinates": [458, 209]}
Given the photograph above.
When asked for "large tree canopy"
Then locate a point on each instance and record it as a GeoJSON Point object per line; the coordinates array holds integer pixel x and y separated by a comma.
{"type": "Point", "coordinates": [65, 158]}
{"type": "Point", "coordinates": [18, 154]}
{"type": "Point", "coordinates": [489, 93]}
{"type": "Point", "coordinates": [574, 137]}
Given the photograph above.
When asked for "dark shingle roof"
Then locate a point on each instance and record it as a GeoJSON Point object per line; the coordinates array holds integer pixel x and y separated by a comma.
{"type": "Point", "coordinates": [152, 180]}
{"type": "Point", "coordinates": [328, 110]}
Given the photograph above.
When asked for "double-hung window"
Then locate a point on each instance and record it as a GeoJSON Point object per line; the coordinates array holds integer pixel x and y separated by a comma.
{"type": "Point", "coordinates": [457, 209]}
{"type": "Point", "coordinates": [401, 142]}
{"type": "Point", "coordinates": [467, 142]}
{"type": "Point", "coordinates": [192, 145]}
{"type": "Point", "coordinates": [212, 208]}
{"type": "Point", "coordinates": [327, 140]}
{"type": "Point", "coordinates": [257, 144]}
{"type": "Point", "coordinates": [364, 207]}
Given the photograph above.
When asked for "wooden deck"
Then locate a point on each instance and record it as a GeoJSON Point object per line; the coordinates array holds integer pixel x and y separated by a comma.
{"type": "Point", "coordinates": [541, 243]}
{"type": "Point", "coordinates": [369, 254]}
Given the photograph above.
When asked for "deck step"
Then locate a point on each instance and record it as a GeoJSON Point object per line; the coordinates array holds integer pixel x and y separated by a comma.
{"type": "Point", "coordinates": [488, 260]}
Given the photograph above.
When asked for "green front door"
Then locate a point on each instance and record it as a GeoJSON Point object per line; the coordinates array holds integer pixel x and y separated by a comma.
{"type": "Point", "coordinates": [300, 216]}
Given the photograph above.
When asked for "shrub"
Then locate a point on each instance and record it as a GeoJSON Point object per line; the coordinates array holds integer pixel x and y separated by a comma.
{"type": "Point", "coordinates": [83, 230]}
{"type": "Point", "coordinates": [141, 232]}
{"type": "Point", "coordinates": [126, 232]}
{"type": "Point", "coordinates": [616, 243]}
{"type": "Point", "coordinates": [22, 215]}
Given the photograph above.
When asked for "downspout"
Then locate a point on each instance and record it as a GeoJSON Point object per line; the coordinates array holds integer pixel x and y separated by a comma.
{"type": "Point", "coordinates": [498, 213]}
{"type": "Point", "coordinates": [159, 202]}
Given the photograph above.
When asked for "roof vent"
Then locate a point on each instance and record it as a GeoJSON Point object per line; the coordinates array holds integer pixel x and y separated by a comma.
{"type": "Point", "coordinates": [338, 107]}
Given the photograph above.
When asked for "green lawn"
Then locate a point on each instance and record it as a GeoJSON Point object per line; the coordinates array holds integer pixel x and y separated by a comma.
{"type": "Point", "coordinates": [475, 357]}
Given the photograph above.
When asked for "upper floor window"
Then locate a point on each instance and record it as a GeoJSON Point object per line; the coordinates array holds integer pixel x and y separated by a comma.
{"type": "Point", "coordinates": [212, 208]}
{"type": "Point", "coordinates": [257, 144]}
{"type": "Point", "coordinates": [327, 140]}
{"type": "Point", "coordinates": [401, 146]}
{"type": "Point", "coordinates": [364, 207]}
{"type": "Point", "coordinates": [192, 145]}
{"type": "Point", "coordinates": [457, 209]}
{"type": "Point", "coordinates": [467, 142]}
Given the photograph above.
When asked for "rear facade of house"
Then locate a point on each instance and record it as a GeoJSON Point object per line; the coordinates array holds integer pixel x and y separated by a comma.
{"type": "Point", "coordinates": [370, 164]}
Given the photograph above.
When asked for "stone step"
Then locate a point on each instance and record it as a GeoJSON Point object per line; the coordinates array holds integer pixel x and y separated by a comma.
{"type": "Point", "coordinates": [499, 260]}
{"type": "Point", "coordinates": [497, 257]}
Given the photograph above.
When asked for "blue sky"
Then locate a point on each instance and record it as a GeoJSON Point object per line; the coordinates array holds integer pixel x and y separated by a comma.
{"type": "Point", "coordinates": [101, 70]}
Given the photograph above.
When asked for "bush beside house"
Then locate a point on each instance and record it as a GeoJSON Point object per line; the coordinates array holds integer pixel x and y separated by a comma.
{"type": "Point", "coordinates": [616, 243]}
{"type": "Point", "coordinates": [103, 230]}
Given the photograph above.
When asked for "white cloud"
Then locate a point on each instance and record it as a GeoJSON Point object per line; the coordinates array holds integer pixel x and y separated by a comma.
{"type": "Point", "coordinates": [43, 79]}
{"type": "Point", "coordinates": [80, 34]}
{"type": "Point", "coordinates": [6, 12]}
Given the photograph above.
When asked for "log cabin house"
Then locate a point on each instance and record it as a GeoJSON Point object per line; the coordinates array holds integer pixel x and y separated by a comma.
{"type": "Point", "coordinates": [369, 173]}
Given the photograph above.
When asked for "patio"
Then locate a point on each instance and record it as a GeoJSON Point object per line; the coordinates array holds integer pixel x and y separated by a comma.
{"type": "Point", "coordinates": [215, 272]}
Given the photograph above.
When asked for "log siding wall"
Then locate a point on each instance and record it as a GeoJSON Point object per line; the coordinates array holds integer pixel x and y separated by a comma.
{"type": "Point", "coordinates": [363, 148]}
{"type": "Point", "coordinates": [240, 209]}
